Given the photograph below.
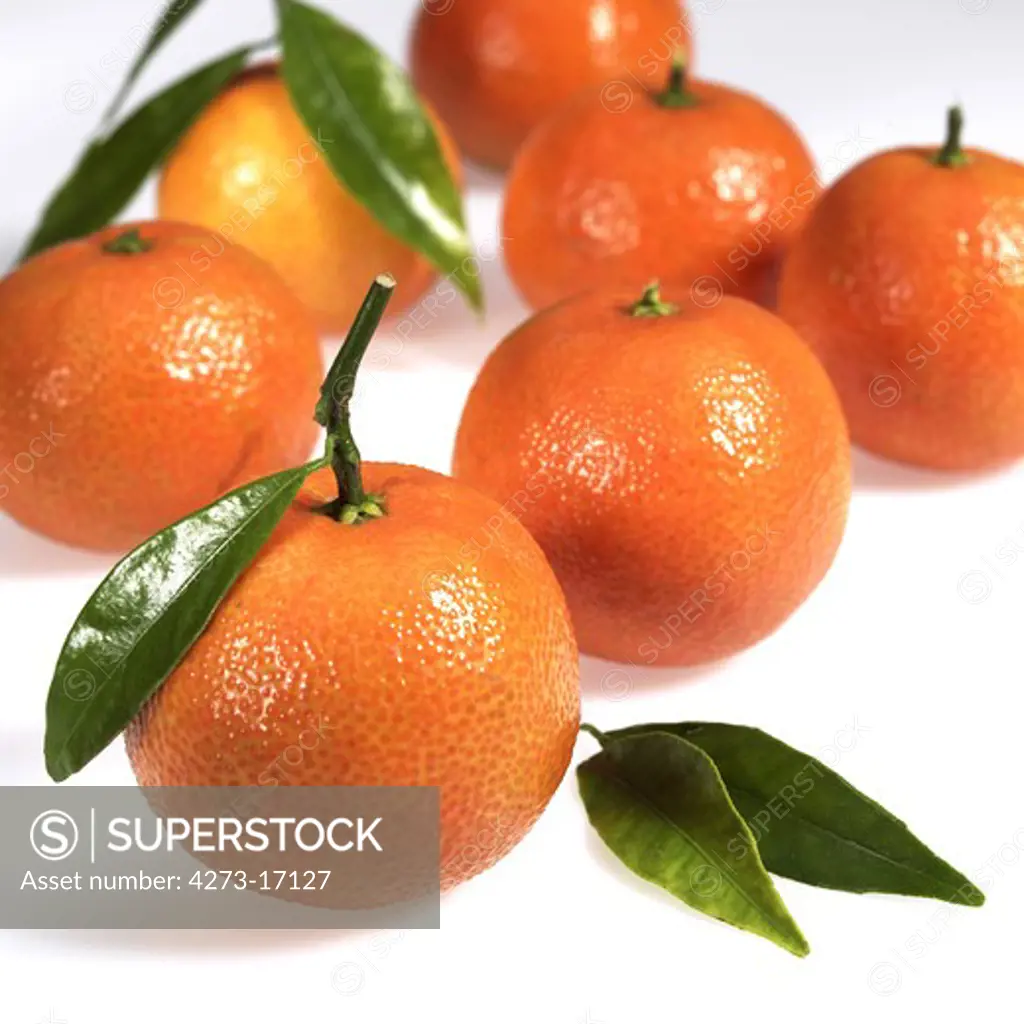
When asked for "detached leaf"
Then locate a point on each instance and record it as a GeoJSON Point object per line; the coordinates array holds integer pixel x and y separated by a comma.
{"type": "Point", "coordinates": [813, 826]}
{"type": "Point", "coordinates": [660, 805]}
{"type": "Point", "coordinates": [113, 168]}
{"type": "Point", "coordinates": [174, 14]}
{"type": "Point", "coordinates": [367, 118]}
{"type": "Point", "coordinates": [148, 612]}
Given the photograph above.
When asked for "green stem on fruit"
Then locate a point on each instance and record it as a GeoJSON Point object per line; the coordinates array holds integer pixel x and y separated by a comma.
{"type": "Point", "coordinates": [677, 95]}
{"type": "Point", "coordinates": [650, 303]}
{"type": "Point", "coordinates": [353, 504]}
{"type": "Point", "coordinates": [595, 732]}
{"type": "Point", "coordinates": [128, 243]}
{"type": "Point", "coordinates": [952, 154]}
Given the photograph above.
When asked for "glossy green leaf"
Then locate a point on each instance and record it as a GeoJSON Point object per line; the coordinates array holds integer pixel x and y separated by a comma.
{"type": "Point", "coordinates": [147, 613]}
{"type": "Point", "coordinates": [364, 113]}
{"type": "Point", "coordinates": [660, 805]}
{"type": "Point", "coordinates": [811, 825]}
{"type": "Point", "coordinates": [173, 15]}
{"type": "Point", "coordinates": [113, 168]}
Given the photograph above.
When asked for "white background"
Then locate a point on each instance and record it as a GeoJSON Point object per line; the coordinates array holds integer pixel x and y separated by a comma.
{"type": "Point", "coordinates": [894, 670]}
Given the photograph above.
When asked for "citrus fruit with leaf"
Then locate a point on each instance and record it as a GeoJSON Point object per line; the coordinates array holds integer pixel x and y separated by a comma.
{"type": "Point", "coordinates": [495, 69]}
{"type": "Point", "coordinates": [908, 282]}
{"type": "Point", "coordinates": [444, 670]}
{"type": "Point", "coordinates": [251, 170]}
{"type": "Point", "coordinates": [144, 372]}
{"type": "Point", "coordinates": [686, 470]}
{"type": "Point", "coordinates": [699, 184]}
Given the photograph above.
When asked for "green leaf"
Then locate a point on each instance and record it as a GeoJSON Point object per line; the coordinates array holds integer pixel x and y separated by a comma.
{"type": "Point", "coordinates": [376, 137]}
{"type": "Point", "coordinates": [113, 168]}
{"type": "Point", "coordinates": [659, 804]}
{"type": "Point", "coordinates": [813, 826]}
{"type": "Point", "coordinates": [148, 612]}
{"type": "Point", "coordinates": [174, 14]}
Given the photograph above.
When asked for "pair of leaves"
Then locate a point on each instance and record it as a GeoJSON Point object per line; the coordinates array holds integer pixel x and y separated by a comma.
{"type": "Point", "coordinates": [681, 804]}
{"type": "Point", "coordinates": [148, 611]}
{"type": "Point", "coordinates": [357, 103]}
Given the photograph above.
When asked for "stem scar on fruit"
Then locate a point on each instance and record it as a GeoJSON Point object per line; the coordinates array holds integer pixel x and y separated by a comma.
{"type": "Point", "coordinates": [128, 243]}
{"type": "Point", "coordinates": [650, 303]}
{"type": "Point", "coordinates": [352, 505]}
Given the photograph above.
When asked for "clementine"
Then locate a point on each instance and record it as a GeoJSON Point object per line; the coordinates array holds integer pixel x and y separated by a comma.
{"type": "Point", "coordinates": [909, 284]}
{"type": "Point", "coordinates": [447, 659]}
{"type": "Point", "coordinates": [699, 184]}
{"type": "Point", "coordinates": [249, 169]}
{"type": "Point", "coordinates": [685, 469]}
{"type": "Point", "coordinates": [496, 69]}
{"type": "Point", "coordinates": [144, 371]}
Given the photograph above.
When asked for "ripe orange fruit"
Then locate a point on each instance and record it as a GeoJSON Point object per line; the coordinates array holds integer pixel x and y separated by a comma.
{"type": "Point", "coordinates": [446, 659]}
{"type": "Point", "coordinates": [496, 68]}
{"type": "Point", "coordinates": [249, 169]}
{"type": "Point", "coordinates": [686, 470]}
{"type": "Point", "coordinates": [908, 282]}
{"type": "Point", "coordinates": [144, 371]}
{"type": "Point", "coordinates": [699, 184]}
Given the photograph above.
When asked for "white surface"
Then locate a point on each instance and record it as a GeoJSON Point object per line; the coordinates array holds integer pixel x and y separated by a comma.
{"type": "Point", "coordinates": [888, 667]}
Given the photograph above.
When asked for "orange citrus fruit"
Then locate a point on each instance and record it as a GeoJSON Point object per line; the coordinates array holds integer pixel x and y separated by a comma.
{"type": "Point", "coordinates": [446, 659]}
{"type": "Point", "coordinates": [249, 169]}
{"type": "Point", "coordinates": [908, 282]}
{"type": "Point", "coordinates": [686, 470]}
{"type": "Point", "coordinates": [144, 371]}
{"type": "Point", "coordinates": [495, 69]}
{"type": "Point", "coordinates": [698, 184]}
